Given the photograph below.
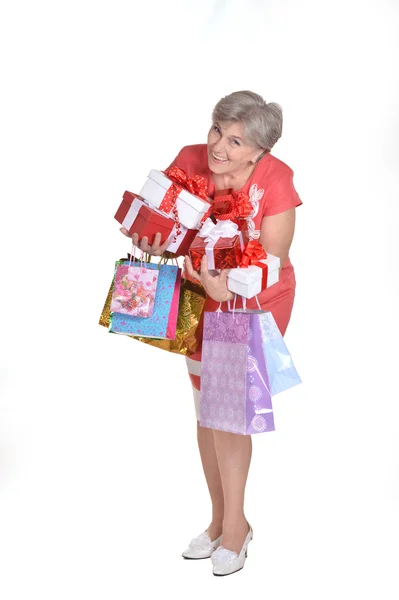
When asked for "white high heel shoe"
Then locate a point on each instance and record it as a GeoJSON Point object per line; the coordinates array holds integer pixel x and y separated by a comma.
{"type": "Point", "coordinates": [226, 561]}
{"type": "Point", "coordinates": [201, 546]}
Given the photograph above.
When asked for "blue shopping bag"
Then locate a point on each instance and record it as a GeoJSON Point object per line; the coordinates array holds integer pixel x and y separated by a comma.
{"type": "Point", "coordinates": [280, 367]}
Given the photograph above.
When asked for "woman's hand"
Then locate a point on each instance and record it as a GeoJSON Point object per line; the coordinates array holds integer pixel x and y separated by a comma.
{"type": "Point", "coordinates": [215, 287]}
{"type": "Point", "coordinates": [154, 250]}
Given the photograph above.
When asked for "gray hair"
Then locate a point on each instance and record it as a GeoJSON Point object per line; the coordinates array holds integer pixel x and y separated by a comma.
{"type": "Point", "coordinates": [263, 123]}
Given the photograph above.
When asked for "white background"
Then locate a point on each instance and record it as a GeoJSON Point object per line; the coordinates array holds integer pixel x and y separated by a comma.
{"type": "Point", "coordinates": [101, 486]}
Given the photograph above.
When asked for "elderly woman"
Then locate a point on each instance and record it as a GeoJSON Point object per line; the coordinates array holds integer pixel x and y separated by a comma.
{"type": "Point", "coordinates": [237, 155]}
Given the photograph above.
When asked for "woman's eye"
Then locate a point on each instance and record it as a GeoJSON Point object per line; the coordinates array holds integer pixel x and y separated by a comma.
{"type": "Point", "coordinates": [236, 142]}
{"type": "Point", "coordinates": [216, 128]}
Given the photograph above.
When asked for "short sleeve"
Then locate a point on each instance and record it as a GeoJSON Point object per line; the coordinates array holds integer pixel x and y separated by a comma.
{"type": "Point", "coordinates": [281, 195]}
{"type": "Point", "coordinates": [182, 160]}
{"type": "Point", "coordinates": [174, 163]}
{"type": "Point", "coordinates": [192, 159]}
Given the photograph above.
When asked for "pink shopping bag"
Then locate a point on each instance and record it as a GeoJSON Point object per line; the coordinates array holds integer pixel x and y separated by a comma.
{"type": "Point", "coordinates": [134, 290]}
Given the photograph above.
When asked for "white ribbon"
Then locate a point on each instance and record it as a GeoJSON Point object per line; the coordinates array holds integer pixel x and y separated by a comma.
{"type": "Point", "coordinates": [134, 210]}
{"type": "Point", "coordinates": [212, 232]}
{"type": "Point", "coordinates": [222, 229]}
{"type": "Point", "coordinates": [174, 246]}
{"type": "Point", "coordinates": [132, 213]}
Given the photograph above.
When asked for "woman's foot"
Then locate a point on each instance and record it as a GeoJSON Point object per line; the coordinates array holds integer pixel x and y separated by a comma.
{"type": "Point", "coordinates": [227, 561]}
{"type": "Point", "coordinates": [215, 529]}
{"type": "Point", "coordinates": [234, 534]}
{"type": "Point", "coordinates": [206, 543]}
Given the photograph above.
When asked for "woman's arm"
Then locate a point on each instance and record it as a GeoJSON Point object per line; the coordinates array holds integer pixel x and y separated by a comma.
{"type": "Point", "coordinates": [277, 232]}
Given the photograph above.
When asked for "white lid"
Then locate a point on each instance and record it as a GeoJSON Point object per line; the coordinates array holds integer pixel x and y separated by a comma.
{"type": "Point", "coordinates": [194, 201]}
{"type": "Point", "coordinates": [241, 274]}
{"type": "Point", "coordinates": [272, 261]}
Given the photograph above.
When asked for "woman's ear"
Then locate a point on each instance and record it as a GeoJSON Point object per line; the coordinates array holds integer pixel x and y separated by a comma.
{"type": "Point", "coordinates": [257, 158]}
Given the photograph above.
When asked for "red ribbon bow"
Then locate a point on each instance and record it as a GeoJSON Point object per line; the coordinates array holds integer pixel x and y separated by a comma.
{"type": "Point", "coordinates": [229, 204]}
{"type": "Point", "coordinates": [180, 181]}
{"type": "Point", "coordinates": [253, 253]}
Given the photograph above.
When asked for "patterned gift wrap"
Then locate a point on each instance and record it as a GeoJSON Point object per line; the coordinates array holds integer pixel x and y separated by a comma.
{"type": "Point", "coordinates": [222, 242]}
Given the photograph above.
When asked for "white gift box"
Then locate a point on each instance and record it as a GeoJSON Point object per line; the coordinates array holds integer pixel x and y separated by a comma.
{"type": "Point", "coordinates": [189, 207]}
{"type": "Point", "coordinates": [247, 281]}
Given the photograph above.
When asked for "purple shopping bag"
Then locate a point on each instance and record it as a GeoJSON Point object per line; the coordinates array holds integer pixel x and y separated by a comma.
{"type": "Point", "coordinates": [235, 389]}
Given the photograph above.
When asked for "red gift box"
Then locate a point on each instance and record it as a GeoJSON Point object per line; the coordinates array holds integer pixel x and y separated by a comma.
{"type": "Point", "coordinates": [183, 241]}
{"type": "Point", "coordinates": [228, 204]}
{"type": "Point", "coordinates": [137, 217]}
{"type": "Point", "coordinates": [223, 248]}
{"type": "Point", "coordinates": [125, 205]}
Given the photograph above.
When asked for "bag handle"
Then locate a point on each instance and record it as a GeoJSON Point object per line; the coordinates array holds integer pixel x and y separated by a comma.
{"type": "Point", "coordinates": [141, 258]}
{"type": "Point", "coordinates": [244, 305]}
{"type": "Point", "coordinates": [234, 306]}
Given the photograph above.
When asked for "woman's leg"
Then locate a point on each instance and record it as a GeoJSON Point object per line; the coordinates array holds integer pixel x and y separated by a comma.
{"type": "Point", "coordinates": [211, 470]}
{"type": "Point", "coordinates": [207, 452]}
{"type": "Point", "coordinates": [233, 453]}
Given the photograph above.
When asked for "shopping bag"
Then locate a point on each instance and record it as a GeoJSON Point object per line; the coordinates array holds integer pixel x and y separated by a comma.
{"type": "Point", "coordinates": [172, 320]}
{"type": "Point", "coordinates": [235, 390]}
{"type": "Point", "coordinates": [105, 316]}
{"type": "Point", "coordinates": [134, 290]}
{"type": "Point", "coordinates": [159, 324]}
{"type": "Point", "coordinates": [191, 304]}
{"type": "Point", "coordinates": [280, 367]}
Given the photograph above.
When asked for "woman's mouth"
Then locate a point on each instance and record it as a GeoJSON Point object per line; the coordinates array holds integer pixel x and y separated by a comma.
{"type": "Point", "coordinates": [219, 160]}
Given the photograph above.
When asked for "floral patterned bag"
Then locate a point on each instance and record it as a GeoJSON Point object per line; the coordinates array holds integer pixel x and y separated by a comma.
{"type": "Point", "coordinates": [134, 290]}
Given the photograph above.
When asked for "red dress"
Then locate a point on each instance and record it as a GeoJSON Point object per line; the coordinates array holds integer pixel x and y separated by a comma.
{"type": "Point", "coordinates": [271, 191]}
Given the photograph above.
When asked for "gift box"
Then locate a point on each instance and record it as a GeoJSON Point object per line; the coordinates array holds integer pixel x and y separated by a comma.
{"type": "Point", "coordinates": [228, 204]}
{"type": "Point", "coordinates": [181, 241]}
{"type": "Point", "coordinates": [223, 243]}
{"type": "Point", "coordinates": [137, 217]}
{"type": "Point", "coordinates": [183, 199]}
{"type": "Point", "coordinates": [250, 281]}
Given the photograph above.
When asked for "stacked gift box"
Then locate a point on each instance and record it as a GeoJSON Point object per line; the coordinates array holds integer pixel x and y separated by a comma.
{"type": "Point", "coordinates": [178, 208]}
{"type": "Point", "coordinates": [171, 204]}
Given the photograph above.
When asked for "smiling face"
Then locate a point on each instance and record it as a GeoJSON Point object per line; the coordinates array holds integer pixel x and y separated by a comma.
{"type": "Point", "coordinates": [229, 153]}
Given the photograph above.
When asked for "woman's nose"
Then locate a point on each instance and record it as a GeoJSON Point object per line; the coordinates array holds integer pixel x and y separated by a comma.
{"type": "Point", "coordinates": [219, 147]}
